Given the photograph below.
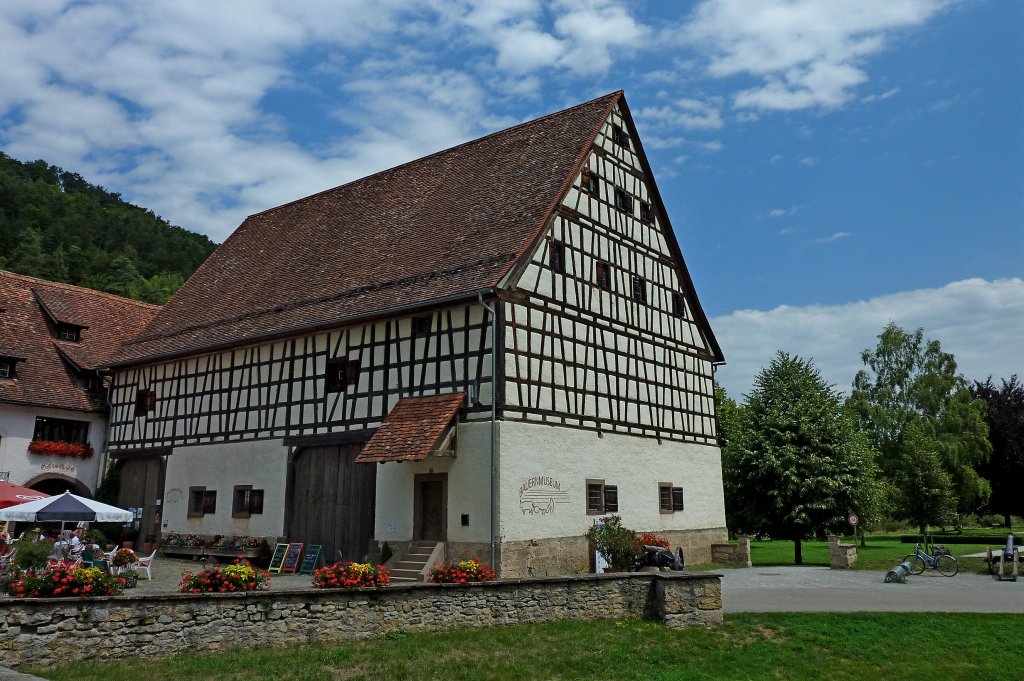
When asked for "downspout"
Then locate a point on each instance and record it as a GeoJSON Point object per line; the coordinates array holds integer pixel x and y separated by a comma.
{"type": "Point", "coordinates": [494, 426]}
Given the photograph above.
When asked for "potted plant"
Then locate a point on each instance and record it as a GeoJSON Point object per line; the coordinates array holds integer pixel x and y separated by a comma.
{"type": "Point", "coordinates": [124, 558]}
{"type": "Point", "coordinates": [130, 577]}
{"type": "Point", "coordinates": [617, 544]}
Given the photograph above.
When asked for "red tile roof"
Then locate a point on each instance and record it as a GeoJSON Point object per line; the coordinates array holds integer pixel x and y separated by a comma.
{"type": "Point", "coordinates": [438, 228]}
{"type": "Point", "coordinates": [413, 429]}
{"type": "Point", "coordinates": [45, 378]}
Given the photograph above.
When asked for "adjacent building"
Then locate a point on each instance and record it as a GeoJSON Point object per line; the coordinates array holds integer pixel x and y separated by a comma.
{"type": "Point", "coordinates": [53, 413]}
{"type": "Point", "coordinates": [491, 346]}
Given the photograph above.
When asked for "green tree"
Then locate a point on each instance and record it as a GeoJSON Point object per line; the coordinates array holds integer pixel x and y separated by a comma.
{"type": "Point", "coordinates": [929, 431]}
{"type": "Point", "coordinates": [796, 463]}
{"type": "Point", "coordinates": [1004, 415]}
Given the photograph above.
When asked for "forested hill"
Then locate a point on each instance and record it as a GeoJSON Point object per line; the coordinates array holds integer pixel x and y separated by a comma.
{"type": "Point", "coordinates": [55, 225]}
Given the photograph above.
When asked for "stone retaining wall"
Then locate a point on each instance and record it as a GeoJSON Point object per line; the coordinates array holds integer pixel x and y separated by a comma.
{"type": "Point", "coordinates": [47, 631]}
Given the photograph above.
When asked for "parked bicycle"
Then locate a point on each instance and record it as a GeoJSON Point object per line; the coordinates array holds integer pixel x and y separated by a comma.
{"type": "Point", "coordinates": [945, 564]}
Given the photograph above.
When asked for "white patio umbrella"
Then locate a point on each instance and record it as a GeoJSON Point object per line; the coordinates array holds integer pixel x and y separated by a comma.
{"type": "Point", "coordinates": [66, 507]}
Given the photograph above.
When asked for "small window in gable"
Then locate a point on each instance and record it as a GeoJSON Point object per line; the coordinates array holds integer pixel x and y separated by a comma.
{"type": "Point", "coordinates": [422, 325]}
{"type": "Point", "coordinates": [342, 373]}
{"type": "Point", "coordinates": [589, 182]}
{"type": "Point", "coordinates": [603, 275]}
{"type": "Point", "coordinates": [556, 256]}
{"type": "Point", "coordinates": [639, 290]}
{"type": "Point", "coordinates": [623, 201]}
{"type": "Point", "coordinates": [69, 333]}
{"type": "Point", "coordinates": [145, 402]}
{"type": "Point", "coordinates": [646, 213]}
{"type": "Point", "coordinates": [678, 304]}
{"type": "Point", "coordinates": [619, 136]}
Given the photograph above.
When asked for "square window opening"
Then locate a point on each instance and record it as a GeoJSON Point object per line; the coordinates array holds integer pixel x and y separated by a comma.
{"type": "Point", "coordinates": [602, 498]}
{"type": "Point", "coordinates": [589, 181]}
{"type": "Point", "coordinates": [603, 275]}
{"type": "Point", "coordinates": [557, 257]}
{"type": "Point", "coordinates": [623, 201]}
{"type": "Point", "coordinates": [246, 501]}
{"type": "Point", "coordinates": [341, 373]}
{"type": "Point", "coordinates": [619, 136]}
{"type": "Point", "coordinates": [422, 325]}
{"type": "Point", "coordinates": [639, 290]}
{"type": "Point", "coordinates": [678, 305]}
{"type": "Point", "coordinates": [646, 213]}
{"type": "Point", "coordinates": [145, 402]}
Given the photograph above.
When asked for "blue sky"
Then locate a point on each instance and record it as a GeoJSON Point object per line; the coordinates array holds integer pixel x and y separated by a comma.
{"type": "Point", "coordinates": [828, 166]}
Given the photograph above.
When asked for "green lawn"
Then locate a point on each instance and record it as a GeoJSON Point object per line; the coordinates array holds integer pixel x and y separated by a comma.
{"type": "Point", "coordinates": [879, 554]}
{"type": "Point", "coordinates": [795, 646]}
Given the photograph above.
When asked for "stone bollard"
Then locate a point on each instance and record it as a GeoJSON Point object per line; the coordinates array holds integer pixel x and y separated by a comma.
{"type": "Point", "coordinates": [840, 556]}
{"type": "Point", "coordinates": [682, 603]}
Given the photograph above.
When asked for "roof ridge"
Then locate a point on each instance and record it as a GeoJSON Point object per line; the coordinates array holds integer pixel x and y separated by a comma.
{"type": "Point", "coordinates": [74, 287]}
{"type": "Point", "coordinates": [475, 140]}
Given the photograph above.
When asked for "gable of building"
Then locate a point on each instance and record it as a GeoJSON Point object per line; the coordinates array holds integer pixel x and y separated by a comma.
{"type": "Point", "coordinates": [434, 230]}
{"type": "Point", "coordinates": [54, 371]}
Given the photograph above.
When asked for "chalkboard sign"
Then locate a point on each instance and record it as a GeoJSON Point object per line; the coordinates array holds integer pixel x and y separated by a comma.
{"type": "Point", "coordinates": [312, 558]}
{"type": "Point", "coordinates": [291, 560]}
{"type": "Point", "coordinates": [278, 560]}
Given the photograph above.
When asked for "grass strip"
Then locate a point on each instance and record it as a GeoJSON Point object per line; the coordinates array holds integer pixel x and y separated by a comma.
{"type": "Point", "coordinates": [876, 646]}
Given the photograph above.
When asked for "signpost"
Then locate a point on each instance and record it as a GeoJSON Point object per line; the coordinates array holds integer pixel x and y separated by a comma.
{"type": "Point", "coordinates": [277, 561]}
{"type": "Point", "coordinates": [309, 563]}
{"type": "Point", "coordinates": [853, 521]}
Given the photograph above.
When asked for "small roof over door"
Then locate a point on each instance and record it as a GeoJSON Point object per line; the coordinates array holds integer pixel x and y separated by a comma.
{"type": "Point", "coordinates": [413, 429]}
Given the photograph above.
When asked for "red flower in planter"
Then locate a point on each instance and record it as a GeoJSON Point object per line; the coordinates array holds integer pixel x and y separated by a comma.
{"type": "Point", "coordinates": [75, 450]}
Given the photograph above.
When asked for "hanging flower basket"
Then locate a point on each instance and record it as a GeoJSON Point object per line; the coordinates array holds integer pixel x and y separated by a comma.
{"type": "Point", "coordinates": [75, 450]}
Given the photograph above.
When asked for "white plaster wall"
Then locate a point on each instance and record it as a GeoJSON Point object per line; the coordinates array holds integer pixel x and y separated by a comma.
{"type": "Point", "coordinates": [634, 464]}
{"type": "Point", "coordinates": [262, 464]}
{"type": "Point", "coordinates": [468, 489]}
{"type": "Point", "coordinates": [17, 424]}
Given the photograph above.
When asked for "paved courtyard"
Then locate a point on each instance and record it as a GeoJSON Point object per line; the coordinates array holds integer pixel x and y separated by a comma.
{"type": "Point", "coordinates": [820, 589]}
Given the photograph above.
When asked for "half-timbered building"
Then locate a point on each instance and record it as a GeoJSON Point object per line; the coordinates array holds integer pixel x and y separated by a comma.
{"type": "Point", "coordinates": [54, 338]}
{"type": "Point", "coordinates": [490, 346]}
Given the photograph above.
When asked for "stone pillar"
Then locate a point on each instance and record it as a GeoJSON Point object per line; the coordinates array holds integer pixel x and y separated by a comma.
{"type": "Point", "coordinates": [840, 556]}
{"type": "Point", "coordinates": [681, 603]}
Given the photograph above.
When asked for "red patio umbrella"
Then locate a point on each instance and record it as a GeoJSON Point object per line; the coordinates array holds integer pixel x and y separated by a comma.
{"type": "Point", "coordinates": [12, 495]}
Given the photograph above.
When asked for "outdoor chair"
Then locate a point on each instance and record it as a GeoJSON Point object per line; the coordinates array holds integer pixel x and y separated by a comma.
{"type": "Point", "coordinates": [6, 559]}
{"type": "Point", "coordinates": [146, 563]}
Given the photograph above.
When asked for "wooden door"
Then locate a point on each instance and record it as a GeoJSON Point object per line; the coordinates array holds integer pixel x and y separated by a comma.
{"type": "Point", "coordinates": [430, 517]}
{"type": "Point", "coordinates": [142, 484]}
{"type": "Point", "coordinates": [331, 501]}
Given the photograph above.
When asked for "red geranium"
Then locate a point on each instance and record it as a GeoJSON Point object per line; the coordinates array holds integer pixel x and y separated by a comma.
{"type": "Point", "coordinates": [75, 450]}
{"type": "Point", "coordinates": [463, 573]}
{"type": "Point", "coordinates": [650, 539]}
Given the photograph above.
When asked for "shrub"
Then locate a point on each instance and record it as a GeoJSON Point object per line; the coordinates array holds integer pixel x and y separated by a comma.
{"type": "Point", "coordinates": [465, 572]}
{"type": "Point", "coordinates": [350, 575]}
{"type": "Point", "coordinates": [649, 539]}
{"type": "Point", "coordinates": [617, 544]}
{"type": "Point", "coordinates": [239, 576]}
{"type": "Point", "coordinates": [63, 581]}
{"type": "Point", "coordinates": [33, 553]}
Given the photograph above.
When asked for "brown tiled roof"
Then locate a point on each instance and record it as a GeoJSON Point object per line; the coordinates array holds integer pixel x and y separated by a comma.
{"type": "Point", "coordinates": [413, 429]}
{"type": "Point", "coordinates": [45, 378]}
{"type": "Point", "coordinates": [441, 227]}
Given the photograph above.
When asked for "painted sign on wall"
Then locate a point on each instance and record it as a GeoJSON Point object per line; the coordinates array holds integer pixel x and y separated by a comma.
{"type": "Point", "coordinates": [540, 495]}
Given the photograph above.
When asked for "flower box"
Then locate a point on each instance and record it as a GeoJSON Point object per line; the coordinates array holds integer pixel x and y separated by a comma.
{"type": "Point", "coordinates": [74, 450]}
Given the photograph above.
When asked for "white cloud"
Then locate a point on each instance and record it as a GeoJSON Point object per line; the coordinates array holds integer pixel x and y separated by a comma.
{"type": "Point", "coordinates": [980, 322]}
{"type": "Point", "coordinates": [747, 117]}
{"type": "Point", "coordinates": [781, 212]}
{"type": "Point", "coordinates": [687, 113]}
{"type": "Point", "coordinates": [806, 53]}
{"type": "Point", "coordinates": [808, 161]}
{"type": "Point", "coordinates": [836, 236]}
{"type": "Point", "coordinates": [877, 98]}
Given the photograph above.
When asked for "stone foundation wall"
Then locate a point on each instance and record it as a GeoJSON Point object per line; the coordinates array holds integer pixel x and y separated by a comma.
{"type": "Point", "coordinates": [571, 555]}
{"type": "Point", "coordinates": [48, 631]}
{"type": "Point", "coordinates": [732, 554]}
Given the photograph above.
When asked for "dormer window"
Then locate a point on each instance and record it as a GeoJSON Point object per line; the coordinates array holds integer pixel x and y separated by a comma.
{"type": "Point", "coordinates": [623, 201]}
{"type": "Point", "coordinates": [90, 382]}
{"type": "Point", "coordinates": [66, 332]}
{"type": "Point", "coordinates": [619, 136]}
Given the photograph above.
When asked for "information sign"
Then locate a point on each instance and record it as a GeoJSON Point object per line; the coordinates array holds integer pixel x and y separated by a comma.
{"type": "Point", "coordinates": [309, 563]}
{"type": "Point", "coordinates": [292, 558]}
{"type": "Point", "coordinates": [277, 561]}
